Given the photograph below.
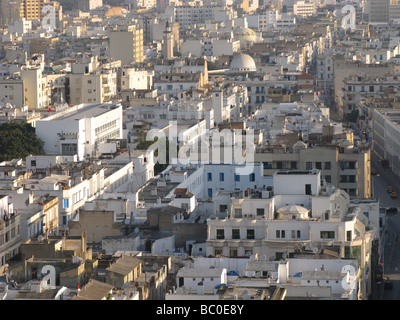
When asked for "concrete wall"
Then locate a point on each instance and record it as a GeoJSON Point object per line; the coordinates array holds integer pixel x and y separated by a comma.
{"type": "Point", "coordinates": [71, 278]}
{"type": "Point", "coordinates": [97, 224]}
{"type": "Point", "coordinates": [188, 231]}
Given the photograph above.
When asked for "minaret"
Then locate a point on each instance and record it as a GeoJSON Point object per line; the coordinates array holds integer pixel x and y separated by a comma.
{"type": "Point", "coordinates": [168, 48]}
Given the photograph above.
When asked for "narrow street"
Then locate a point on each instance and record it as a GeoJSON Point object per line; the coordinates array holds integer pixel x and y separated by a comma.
{"type": "Point", "coordinates": [391, 259]}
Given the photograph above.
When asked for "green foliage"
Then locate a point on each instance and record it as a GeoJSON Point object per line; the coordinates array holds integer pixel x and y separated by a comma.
{"type": "Point", "coordinates": [18, 140]}
{"type": "Point", "coordinates": [352, 117]}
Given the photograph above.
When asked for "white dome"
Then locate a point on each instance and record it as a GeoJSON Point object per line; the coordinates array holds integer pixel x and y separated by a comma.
{"type": "Point", "coordinates": [243, 63]}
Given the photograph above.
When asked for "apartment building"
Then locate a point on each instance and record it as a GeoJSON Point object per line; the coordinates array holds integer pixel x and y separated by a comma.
{"type": "Point", "coordinates": [130, 38]}
{"type": "Point", "coordinates": [386, 137]}
{"type": "Point", "coordinates": [363, 87]}
{"type": "Point", "coordinates": [301, 215]}
{"type": "Point", "coordinates": [39, 215]}
{"type": "Point", "coordinates": [188, 16]}
{"type": "Point", "coordinates": [345, 167]}
{"type": "Point", "coordinates": [378, 11]}
{"type": "Point", "coordinates": [12, 91]}
{"type": "Point", "coordinates": [32, 9]}
{"type": "Point", "coordinates": [96, 87]}
{"type": "Point", "coordinates": [10, 237]}
{"type": "Point", "coordinates": [344, 68]}
{"type": "Point", "coordinates": [304, 8]}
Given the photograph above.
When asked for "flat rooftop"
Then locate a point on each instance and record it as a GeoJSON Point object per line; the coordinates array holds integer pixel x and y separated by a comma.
{"type": "Point", "coordinates": [84, 111]}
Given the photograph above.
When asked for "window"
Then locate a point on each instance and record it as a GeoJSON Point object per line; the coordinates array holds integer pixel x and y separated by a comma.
{"type": "Point", "coordinates": [327, 166]}
{"type": "Point", "coordinates": [69, 149]}
{"type": "Point", "coordinates": [33, 163]}
{"type": "Point", "coordinates": [348, 235]}
{"type": "Point", "coordinates": [308, 189]}
{"type": "Point", "coordinates": [221, 176]}
{"type": "Point", "coordinates": [260, 212]}
{"type": "Point", "coordinates": [65, 203]}
{"type": "Point", "coordinates": [237, 178]}
{"type": "Point", "coordinates": [235, 234]}
{"type": "Point", "coordinates": [220, 234]}
{"type": "Point", "coordinates": [210, 192]}
{"type": "Point", "coordinates": [223, 208]}
{"type": "Point", "coordinates": [238, 212]}
{"type": "Point", "coordinates": [209, 176]}
{"type": "Point", "coordinates": [293, 165]}
{"type": "Point", "coordinates": [278, 233]}
{"type": "Point", "coordinates": [250, 234]}
{"type": "Point", "coordinates": [318, 165]}
{"type": "Point", "coordinates": [252, 177]}
{"type": "Point", "coordinates": [233, 253]}
{"type": "Point", "coordinates": [308, 165]}
{"type": "Point", "coordinates": [328, 179]}
{"type": "Point", "coordinates": [298, 234]}
{"type": "Point", "coordinates": [327, 234]}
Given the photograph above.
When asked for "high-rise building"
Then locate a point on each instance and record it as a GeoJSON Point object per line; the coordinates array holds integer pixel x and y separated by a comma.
{"type": "Point", "coordinates": [394, 10]}
{"type": "Point", "coordinates": [126, 44]}
{"type": "Point", "coordinates": [29, 10]}
{"type": "Point", "coordinates": [32, 9]}
{"type": "Point", "coordinates": [378, 11]}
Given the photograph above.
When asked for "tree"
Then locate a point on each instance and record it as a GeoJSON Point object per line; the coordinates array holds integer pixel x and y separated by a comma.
{"type": "Point", "coordinates": [18, 140]}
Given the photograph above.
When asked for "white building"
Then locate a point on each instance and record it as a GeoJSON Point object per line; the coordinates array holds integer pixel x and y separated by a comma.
{"type": "Point", "coordinates": [200, 280]}
{"type": "Point", "coordinates": [299, 216]}
{"type": "Point", "coordinates": [304, 8]}
{"type": "Point", "coordinates": [80, 129]}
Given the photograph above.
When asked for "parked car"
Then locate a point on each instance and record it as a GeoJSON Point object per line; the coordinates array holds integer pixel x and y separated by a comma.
{"type": "Point", "coordinates": [389, 189]}
{"type": "Point", "coordinates": [391, 210]}
{"type": "Point", "coordinates": [393, 194]}
{"type": "Point", "coordinates": [388, 285]}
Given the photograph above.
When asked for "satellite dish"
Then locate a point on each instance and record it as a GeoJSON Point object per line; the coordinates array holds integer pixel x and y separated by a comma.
{"type": "Point", "coordinates": [155, 266]}
{"type": "Point", "coordinates": [179, 291]}
{"type": "Point", "coordinates": [244, 292]}
{"type": "Point", "coordinates": [315, 250]}
{"type": "Point", "coordinates": [136, 230]}
{"type": "Point", "coordinates": [40, 238]}
{"type": "Point", "coordinates": [284, 255]}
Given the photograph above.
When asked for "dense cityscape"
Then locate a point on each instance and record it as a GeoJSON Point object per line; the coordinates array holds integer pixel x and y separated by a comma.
{"type": "Point", "coordinates": [213, 150]}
